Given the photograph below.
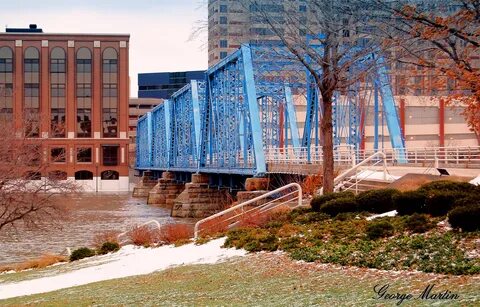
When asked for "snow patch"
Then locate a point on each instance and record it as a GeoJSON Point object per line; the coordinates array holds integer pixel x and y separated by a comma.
{"type": "Point", "coordinates": [128, 261]}
{"type": "Point", "coordinates": [476, 181]}
{"type": "Point", "coordinates": [389, 213]}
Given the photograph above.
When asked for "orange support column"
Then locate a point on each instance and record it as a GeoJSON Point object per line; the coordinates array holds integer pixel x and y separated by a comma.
{"type": "Point", "coordinates": [441, 121]}
{"type": "Point", "coordinates": [402, 116]}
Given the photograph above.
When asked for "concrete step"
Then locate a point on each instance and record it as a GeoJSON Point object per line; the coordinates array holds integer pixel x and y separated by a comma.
{"type": "Point", "coordinates": [365, 185]}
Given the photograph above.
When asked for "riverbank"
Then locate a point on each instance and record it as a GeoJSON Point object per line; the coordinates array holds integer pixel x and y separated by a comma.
{"type": "Point", "coordinates": [266, 279]}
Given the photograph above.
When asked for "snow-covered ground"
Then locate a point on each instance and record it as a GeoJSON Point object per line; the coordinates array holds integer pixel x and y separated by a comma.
{"type": "Point", "coordinates": [129, 261]}
{"type": "Point", "coordinates": [476, 181]}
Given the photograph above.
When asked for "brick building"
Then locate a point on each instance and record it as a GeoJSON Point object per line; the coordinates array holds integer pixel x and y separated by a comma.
{"type": "Point", "coordinates": [75, 87]}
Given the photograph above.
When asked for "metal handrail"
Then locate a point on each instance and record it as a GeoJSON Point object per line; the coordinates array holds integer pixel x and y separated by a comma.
{"type": "Point", "coordinates": [353, 169]}
{"type": "Point", "coordinates": [263, 207]}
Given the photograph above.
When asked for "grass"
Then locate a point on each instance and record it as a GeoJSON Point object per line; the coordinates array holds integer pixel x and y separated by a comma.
{"type": "Point", "coordinates": [258, 280]}
{"type": "Point", "coordinates": [345, 240]}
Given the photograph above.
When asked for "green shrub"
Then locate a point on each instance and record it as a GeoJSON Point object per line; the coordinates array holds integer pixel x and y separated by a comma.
{"type": "Point", "coordinates": [339, 205]}
{"type": "Point", "coordinates": [467, 201]}
{"type": "Point", "coordinates": [409, 202]}
{"type": "Point", "coordinates": [376, 201]}
{"type": "Point", "coordinates": [418, 223]}
{"type": "Point", "coordinates": [467, 217]}
{"type": "Point", "coordinates": [108, 247]}
{"type": "Point", "coordinates": [311, 217]}
{"type": "Point", "coordinates": [81, 253]}
{"type": "Point", "coordinates": [451, 186]}
{"type": "Point", "coordinates": [438, 203]}
{"type": "Point", "coordinates": [318, 201]}
{"type": "Point", "coordinates": [380, 229]}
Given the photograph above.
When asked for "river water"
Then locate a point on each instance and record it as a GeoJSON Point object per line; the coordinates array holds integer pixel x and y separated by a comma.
{"type": "Point", "coordinates": [89, 215]}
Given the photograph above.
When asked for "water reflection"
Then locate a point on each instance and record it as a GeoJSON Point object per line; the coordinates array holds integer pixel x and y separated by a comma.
{"type": "Point", "coordinates": [89, 214]}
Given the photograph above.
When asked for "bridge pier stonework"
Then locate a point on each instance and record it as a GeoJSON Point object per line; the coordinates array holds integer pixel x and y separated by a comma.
{"type": "Point", "coordinates": [144, 186]}
{"type": "Point", "coordinates": [198, 200]}
{"type": "Point", "coordinates": [166, 191]}
{"type": "Point", "coordinates": [254, 187]}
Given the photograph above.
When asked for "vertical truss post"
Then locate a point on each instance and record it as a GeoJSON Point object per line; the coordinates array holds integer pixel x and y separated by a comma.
{"type": "Point", "coordinates": [251, 99]}
{"type": "Point", "coordinates": [149, 139]}
{"type": "Point", "coordinates": [292, 118]}
{"type": "Point", "coordinates": [196, 116]}
{"type": "Point", "coordinates": [168, 133]}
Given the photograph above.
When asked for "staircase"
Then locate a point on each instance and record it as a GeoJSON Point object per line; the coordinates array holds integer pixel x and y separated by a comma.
{"type": "Point", "coordinates": [364, 176]}
{"type": "Point", "coordinates": [285, 198]}
{"type": "Point", "coordinates": [365, 185]}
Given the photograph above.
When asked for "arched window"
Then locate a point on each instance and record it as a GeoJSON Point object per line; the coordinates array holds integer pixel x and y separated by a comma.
{"type": "Point", "coordinates": [83, 175]}
{"type": "Point", "coordinates": [6, 84]}
{"type": "Point", "coordinates": [110, 93]}
{"type": "Point", "coordinates": [110, 175]}
{"type": "Point", "coordinates": [57, 92]}
{"type": "Point", "coordinates": [31, 91]}
{"type": "Point", "coordinates": [84, 92]}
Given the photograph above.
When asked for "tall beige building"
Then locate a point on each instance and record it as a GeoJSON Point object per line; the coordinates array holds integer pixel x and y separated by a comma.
{"type": "Point", "coordinates": [232, 23]}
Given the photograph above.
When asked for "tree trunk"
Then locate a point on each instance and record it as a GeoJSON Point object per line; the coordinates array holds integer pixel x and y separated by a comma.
{"type": "Point", "coordinates": [327, 133]}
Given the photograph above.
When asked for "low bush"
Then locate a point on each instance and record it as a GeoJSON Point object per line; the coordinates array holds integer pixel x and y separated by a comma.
{"type": "Point", "coordinates": [418, 223]}
{"type": "Point", "coordinates": [376, 201]}
{"type": "Point", "coordinates": [339, 205]}
{"type": "Point", "coordinates": [438, 203]}
{"type": "Point", "coordinates": [106, 236]}
{"type": "Point", "coordinates": [466, 217]}
{"type": "Point", "coordinates": [467, 201]}
{"type": "Point", "coordinates": [172, 233]}
{"type": "Point", "coordinates": [144, 236]}
{"type": "Point", "coordinates": [450, 186]}
{"type": "Point", "coordinates": [409, 202]}
{"type": "Point", "coordinates": [108, 247]}
{"type": "Point", "coordinates": [80, 253]}
{"type": "Point", "coordinates": [311, 217]}
{"type": "Point", "coordinates": [318, 201]}
{"type": "Point", "coordinates": [252, 239]}
{"type": "Point", "coordinates": [380, 229]}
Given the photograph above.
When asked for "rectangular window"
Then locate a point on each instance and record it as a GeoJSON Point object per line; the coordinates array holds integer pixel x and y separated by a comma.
{"type": "Point", "coordinates": [302, 8]}
{"type": "Point", "coordinates": [223, 43]}
{"type": "Point", "coordinates": [57, 155]}
{"type": "Point", "coordinates": [84, 154]}
{"type": "Point", "coordinates": [223, 54]}
{"type": "Point", "coordinates": [110, 155]}
{"type": "Point", "coordinates": [223, 20]}
{"type": "Point", "coordinates": [223, 8]}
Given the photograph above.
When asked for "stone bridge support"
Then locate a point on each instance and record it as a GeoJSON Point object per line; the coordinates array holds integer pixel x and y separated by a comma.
{"type": "Point", "coordinates": [198, 200]}
{"type": "Point", "coordinates": [166, 191]}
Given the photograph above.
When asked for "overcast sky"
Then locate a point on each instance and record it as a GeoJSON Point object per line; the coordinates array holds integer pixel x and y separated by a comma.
{"type": "Point", "coordinates": [159, 29]}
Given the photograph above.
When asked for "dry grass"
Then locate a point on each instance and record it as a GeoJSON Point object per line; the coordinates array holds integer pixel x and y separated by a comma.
{"type": "Point", "coordinates": [38, 263]}
{"type": "Point", "coordinates": [259, 219]}
{"type": "Point", "coordinates": [106, 236]}
{"type": "Point", "coordinates": [311, 184]}
{"type": "Point", "coordinates": [144, 236]}
{"type": "Point", "coordinates": [172, 233]}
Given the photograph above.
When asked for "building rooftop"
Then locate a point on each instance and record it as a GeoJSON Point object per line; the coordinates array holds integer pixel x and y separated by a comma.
{"type": "Point", "coordinates": [34, 30]}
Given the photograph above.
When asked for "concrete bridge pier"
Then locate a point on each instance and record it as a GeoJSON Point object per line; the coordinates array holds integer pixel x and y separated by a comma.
{"type": "Point", "coordinates": [165, 191]}
{"type": "Point", "coordinates": [199, 200]}
{"type": "Point", "coordinates": [254, 187]}
{"type": "Point", "coordinates": [144, 186]}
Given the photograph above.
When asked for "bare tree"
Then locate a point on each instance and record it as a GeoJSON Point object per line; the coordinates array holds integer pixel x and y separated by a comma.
{"type": "Point", "coordinates": [333, 42]}
{"type": "Point", "coordinates": [443, 38]}
{"type": "Point", "coordinates": [30, 184]}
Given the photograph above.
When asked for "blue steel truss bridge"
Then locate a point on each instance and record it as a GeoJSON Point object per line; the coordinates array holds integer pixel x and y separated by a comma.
{"type": "Point", "coordinates": [242, 120]}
